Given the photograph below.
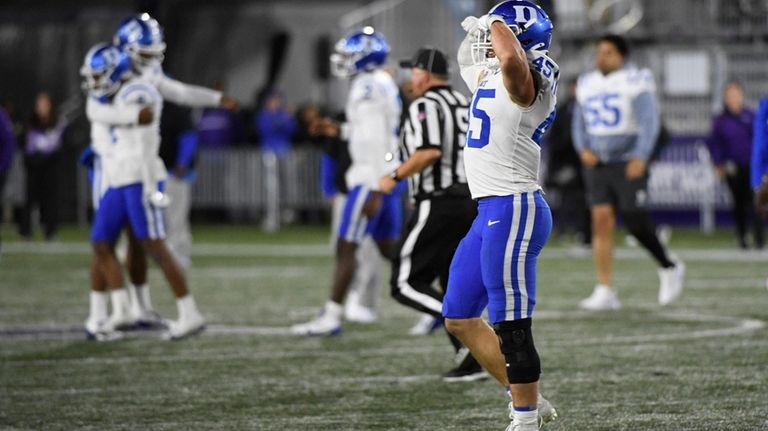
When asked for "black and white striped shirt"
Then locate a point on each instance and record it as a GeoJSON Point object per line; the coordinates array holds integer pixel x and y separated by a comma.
{"type": "Point", "coordinates": [438, 119]}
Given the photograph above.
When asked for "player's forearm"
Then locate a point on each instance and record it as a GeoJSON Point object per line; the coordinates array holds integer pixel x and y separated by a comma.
{"type": "Point", "coordinates": [112, 115]}
{"type": "Point", "coordinates": [518, 79]}
{"type": "Point", "coordinates": [419, 160]}
{"type": "Point", "coordinates": [189, 95]}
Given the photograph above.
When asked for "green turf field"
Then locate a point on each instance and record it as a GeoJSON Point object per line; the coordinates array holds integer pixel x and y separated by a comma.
{"type": "Point", "coordinates": [701, 364]}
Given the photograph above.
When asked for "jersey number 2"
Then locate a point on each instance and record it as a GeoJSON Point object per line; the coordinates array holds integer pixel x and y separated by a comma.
{"type": "Point", "coordinates": [479, 138]}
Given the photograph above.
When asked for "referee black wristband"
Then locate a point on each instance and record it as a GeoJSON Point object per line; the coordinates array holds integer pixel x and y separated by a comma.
{"type": "Point", "coordinates": [394, 175]}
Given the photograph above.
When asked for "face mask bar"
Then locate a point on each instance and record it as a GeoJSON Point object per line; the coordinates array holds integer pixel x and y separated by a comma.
{"type": "Point", "coordinates": [482, 48]}
{"type": "Point", "coordinates": [342, 65]}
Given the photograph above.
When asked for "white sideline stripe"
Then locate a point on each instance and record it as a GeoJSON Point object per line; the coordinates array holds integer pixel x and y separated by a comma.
{"type": "Point", "coordinates": [322, 250]}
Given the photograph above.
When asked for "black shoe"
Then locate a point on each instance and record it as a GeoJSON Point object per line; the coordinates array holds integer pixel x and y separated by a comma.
{"type": "Point", "coordinates": [468, 370]}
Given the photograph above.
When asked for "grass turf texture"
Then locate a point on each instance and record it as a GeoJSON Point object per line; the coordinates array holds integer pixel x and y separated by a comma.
{"type": "Point", "coordinates": [690, 366]}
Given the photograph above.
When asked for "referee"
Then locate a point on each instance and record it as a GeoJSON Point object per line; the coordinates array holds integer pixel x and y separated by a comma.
{"type": "Point", "coordinates": [432, 146]}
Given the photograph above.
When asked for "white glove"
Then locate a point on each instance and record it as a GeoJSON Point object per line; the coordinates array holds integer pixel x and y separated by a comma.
{"type": "Point", "coordinates": [484, 22]}
{"type": "Point", "coordinates": [469, 24]}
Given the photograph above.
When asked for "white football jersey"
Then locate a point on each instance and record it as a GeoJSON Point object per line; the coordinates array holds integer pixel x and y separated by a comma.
{"type": "Point", "coordinates": [607, 99]}
{"type": "Point", "coordinates": [133, 155]}
{"type": "Point", "coordinates": [103, 116]}
{"type": "Point", "coordinates": [502, 153]}
{"type": "Point", "coordinates": [373, 118]}
{"type": "Point", "coordinates": [179, 92]}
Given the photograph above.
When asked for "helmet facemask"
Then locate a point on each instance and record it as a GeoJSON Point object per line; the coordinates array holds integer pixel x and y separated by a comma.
{"type": "Point", "coordinates": [482, 49]}
{"type": "Point", "coordinates": [146, 56]}
{"type": "Point", "coordinates": [342, 64]}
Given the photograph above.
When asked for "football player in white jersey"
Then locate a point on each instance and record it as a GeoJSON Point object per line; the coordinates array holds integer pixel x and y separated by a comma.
{"type": "Point", "coordinates": [505, 64]}
{"type": "Point", "coordinates": [373, 118]}
{"type": "Point", "coordinates": [105, 68]}
{"type": "Point", "coordinates": [130, 162]}
{"type": "Point", "coordinates": [615, 125]}
{"type": "Point", "coordinates": [141, 37]}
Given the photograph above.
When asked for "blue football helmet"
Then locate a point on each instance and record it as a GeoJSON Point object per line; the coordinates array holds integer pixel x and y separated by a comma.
{"type": "Point", "coordinates": [141, 37]}
{"type": "Point", "coordinates": [104, 68]}
{"type": "Point", "coordinates": [527, 20]}
{"type": "Point", "coordinates": [359, 51]}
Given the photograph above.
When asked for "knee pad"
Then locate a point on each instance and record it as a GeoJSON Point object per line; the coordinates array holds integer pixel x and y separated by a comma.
{"type": "Point", "coordinates": [516, 340]}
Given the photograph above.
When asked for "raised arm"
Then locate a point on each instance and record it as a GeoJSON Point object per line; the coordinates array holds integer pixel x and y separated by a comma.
{"type": "Point", "coordinates": [107, 113]}
{"type": "Point", "coordinates": [190, 95]}
{"type": "Point", "coordinates": [516, 72]}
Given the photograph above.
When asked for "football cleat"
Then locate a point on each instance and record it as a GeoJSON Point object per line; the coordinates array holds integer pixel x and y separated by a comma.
{"type": "Point", "coordinates": [468, 369]}
{"type": "Point", "coordinates": [149, 319]}
{"type": "Point", "coordinates": [546, 410]}
{"type": "Point", "coordinates": [354, 312]}
{"type": "Point", "coordinates": [100, 331]}
{"type": "Point", "coordinates": [185, 327]}
{"type": "Point", "coordinates": [322, 325]}
{"type": "Point", "coordinates": [602, 298]}
{"type": "Point", "coordinates": [671, 283]}
{"type": "Point", "coordinates": [426, 325]}
{"type": "Point", "coordinates": [121, 320]}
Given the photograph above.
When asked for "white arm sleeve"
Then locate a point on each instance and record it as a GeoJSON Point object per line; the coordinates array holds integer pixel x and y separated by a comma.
{"type": "Point", "coordinates": [108, 113]}
{"type": "Point", "coordinates": [188, 95]}
{"type": "Point", "coordinates": [469, 71]}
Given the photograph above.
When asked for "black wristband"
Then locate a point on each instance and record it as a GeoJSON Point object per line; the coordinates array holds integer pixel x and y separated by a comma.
{"type": "Point", "coordinates": [394, 176]}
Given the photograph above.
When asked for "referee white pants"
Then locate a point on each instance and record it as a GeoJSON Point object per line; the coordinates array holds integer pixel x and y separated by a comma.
{"type": "Point", "coordinates": [179, 235]}
{"type": "Point", "coordinates": [368, 278]}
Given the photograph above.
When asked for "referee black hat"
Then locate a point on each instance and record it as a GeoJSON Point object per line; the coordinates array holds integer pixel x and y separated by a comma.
{"type": "Point", "coordinates": [430, 59]}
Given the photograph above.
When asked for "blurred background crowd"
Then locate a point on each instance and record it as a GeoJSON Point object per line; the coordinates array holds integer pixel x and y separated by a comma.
{"type": "Point", "coordinates": [262, 164]}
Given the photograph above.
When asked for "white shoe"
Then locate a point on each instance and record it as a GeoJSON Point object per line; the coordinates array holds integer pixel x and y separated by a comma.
{"type": "Point", "coordinates": [546, 410]}
{"type": "Point", "coordinates": [671, 283]}
{"type": "Point", "coordinates": [426, 325]}
{"type": "Point", "coordinates": [324, 324]}
{"type": "Point", "coordinates": [120, 320]}
{"type": "Point", "coordinates": [101, 331]}
{"type": "Point", "coordinates": [602, 298]}
{"type": "Point", "coordinates": [185, 327]}
{"type": "Point", "coordinates": [519, 426]}
{"type": "Point", "coordinates": [355, 312]}
{"type": "Point", "coordinates": [149, 319]}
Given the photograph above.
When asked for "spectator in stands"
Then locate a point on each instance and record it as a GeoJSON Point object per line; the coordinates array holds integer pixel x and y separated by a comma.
{"type": "Point", "coordinates": [219, 127]}
{"type": "Point", "coordinates": [731, 148]}
{"type": "Point", "coordinates": [7, 149]}
{"type": "Point", "coordinates": [42, 155]}
{"type": "Point", "coordinates": [564, 173]}
{"type": "Point", "coordinates": [275, 125]}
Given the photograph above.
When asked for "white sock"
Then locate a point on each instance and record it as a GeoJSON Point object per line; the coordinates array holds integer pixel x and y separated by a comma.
{"type": "Point", "coordinates": [334, 310]}
{"type": "Point", "coordinates": [142, 291]}
{"type": "Point", "coordinates": [527, 416]}
{"type": "Point", "coordinates": [140, 297]}
{"type": "Point", "coordinates": [121, 302]}
{"type": "Point", "coordinates": [187, 307]}
{"type": "Point", "coordinates": [99, 306]}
